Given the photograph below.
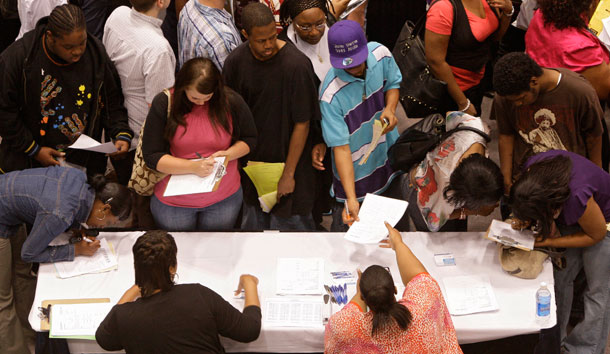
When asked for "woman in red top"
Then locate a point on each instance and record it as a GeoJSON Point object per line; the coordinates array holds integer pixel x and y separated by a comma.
{"type": "Point", "coordinates": [458, 39]}
{"type": "Point", "coordinates": [206, 120]}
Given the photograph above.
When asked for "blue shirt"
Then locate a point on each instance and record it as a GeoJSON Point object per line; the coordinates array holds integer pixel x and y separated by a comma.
{"type": "Point", "coordinates": [207, 32]}
{"type": "Point", "coordinates": [349, 106]}
{"type": "Point", "coordinates": [50, 199]}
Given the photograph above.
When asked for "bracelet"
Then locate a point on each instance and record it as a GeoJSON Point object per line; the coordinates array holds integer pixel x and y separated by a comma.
{"type": "Point", "coordinates": [463, 214]}
{"type": "Point", "coordinates": [512, 11]}
{"type": "Point", "coordinates": [467, 106]}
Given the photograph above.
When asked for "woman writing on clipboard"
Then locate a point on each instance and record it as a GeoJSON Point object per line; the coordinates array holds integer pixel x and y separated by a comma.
{"type": "Point", "coordinates": [205, 119]}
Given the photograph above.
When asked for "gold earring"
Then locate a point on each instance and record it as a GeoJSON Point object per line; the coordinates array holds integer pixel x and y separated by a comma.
{"type": "Point", "coordinates": [103, 215]}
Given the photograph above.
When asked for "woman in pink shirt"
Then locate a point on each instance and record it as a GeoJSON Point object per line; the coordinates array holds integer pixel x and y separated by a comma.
{"type": "Point", "coordinates": [558, 37]}
{"type": "Point", "coordinates": [205, 120]}
{"type": "Point", "coordinates": [458, 37]}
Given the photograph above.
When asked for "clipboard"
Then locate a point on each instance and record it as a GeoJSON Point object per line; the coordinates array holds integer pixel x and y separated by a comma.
{"type": "Point", "coordinates": [220, 173]}
{"type": "Point", "coordinates": [508, 241]}
{"type": "Point", "coordinates": [192, 184]}
{"type": "Point", "coordinates": [46, 307]}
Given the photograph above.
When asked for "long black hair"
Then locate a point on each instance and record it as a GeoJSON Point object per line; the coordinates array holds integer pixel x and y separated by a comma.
{"type": "Point", "coordinates": [377, 289]}
{"type": "Point", "coordinates": [154, 253]}
{"type": "Point", "coordinates": [203, 76]}
{"type": "Point", "coordinates": [113, 194]}
{"type": "Point", "coordinates": [541, 191]}
{"type": "Point", "coordinates": [476, 182]}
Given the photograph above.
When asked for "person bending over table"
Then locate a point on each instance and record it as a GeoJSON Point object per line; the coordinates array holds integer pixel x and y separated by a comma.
{"type": "Point", "coordinates": [567, 199]}
{"type": "Point", "coordinates": [455, 180]}
{"type": "Point", "coordinates": [157, 316]}
{"type": "Point", "coordinates": [50, 201]}
{"type": "Point", "coordinates": [418, 323]}
{"type": "Point", "coordinates": [206, 119]}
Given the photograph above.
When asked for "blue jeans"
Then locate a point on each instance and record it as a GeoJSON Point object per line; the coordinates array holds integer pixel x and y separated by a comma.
{"type": "Point", "coordinates": [590, 335]}
{"type": "Point", "coordinates": [220, 216]}
{"type": "Point", "coordinates": [254, 219]}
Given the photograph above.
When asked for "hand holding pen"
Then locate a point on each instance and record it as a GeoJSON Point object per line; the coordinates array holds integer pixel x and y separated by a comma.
{"type": "Point", "coordinates": [204, 166]}
{"type": "Point", "coordinates": [86, 246]}
{"type": "Point", "coordinates": [350, 211]}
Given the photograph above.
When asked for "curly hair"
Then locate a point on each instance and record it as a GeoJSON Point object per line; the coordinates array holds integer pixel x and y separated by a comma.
{"type": "Point", "coordinates": [565, 13]}
{"type": "Point", "coordinates": [513, 73]}
{"type": "Point", "coordinates": [154, 253]}
{"type": "Point", "coordinates": [541, 191]}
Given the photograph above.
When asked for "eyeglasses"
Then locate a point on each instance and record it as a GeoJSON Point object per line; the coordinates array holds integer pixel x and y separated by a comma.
{"type": "Point", "coordinates": [319, 26]}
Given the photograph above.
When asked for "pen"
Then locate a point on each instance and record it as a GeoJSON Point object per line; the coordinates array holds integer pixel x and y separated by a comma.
{"type": "Point", "coordinates": [346, 210]}
{"type": "Point", "coordinates": [198, 155]}
{"type": "Point", "coordinates": [86, 239]}
{"type": "Point", "coordinates": [385, 121]}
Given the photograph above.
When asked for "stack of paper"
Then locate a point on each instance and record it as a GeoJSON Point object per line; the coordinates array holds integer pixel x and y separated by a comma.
{"type": "Point", "coordinates": [602, 12]}
{"type": "Point", "coordinates": [374, 211]}
{"type": "Point", "coordinates": [469, 294]}
{"type": "Point", "coordinates": [192, 184]}
{"type": "Point", "coordinates": [77, 321]}
{"type": "Point", "coordinates": [503, 233]}
{"type": "Point", "coordinates": [103, 260]}
{"type": "Point", "coordinates": [265, 176]}
{"type": "Point", "coordinates": [300, 276]}
{"type": "Point", "coordinates": [293, 312]}
{"type": "Point", "coordinates": [378, 128]}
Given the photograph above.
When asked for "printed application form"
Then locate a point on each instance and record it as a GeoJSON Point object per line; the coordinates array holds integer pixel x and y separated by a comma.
{"type": "Point", "coordinates": [374, 211]}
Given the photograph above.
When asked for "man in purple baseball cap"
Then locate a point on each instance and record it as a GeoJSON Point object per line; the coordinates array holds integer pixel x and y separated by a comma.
{"type": "Point", "coordinates": [358, 94]}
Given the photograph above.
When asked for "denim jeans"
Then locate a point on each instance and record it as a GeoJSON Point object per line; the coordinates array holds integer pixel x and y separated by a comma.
{"type": "Point", "coordinates": [254, 219]}
{"type": "Point", "coordinates": [220, 216]}
{"type": "Point", "coordinates": [590, 335]}
{"type": "Point", "coordinates": [11, 335]}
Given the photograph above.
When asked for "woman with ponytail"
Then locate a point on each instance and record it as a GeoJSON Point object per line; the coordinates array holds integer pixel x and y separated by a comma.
{"type": "Point", "coordinates": [417, 323]}
{"type": "Point", "coordinates": [49, 201]}
{"type": "Point", "coordinates": [157, 316]}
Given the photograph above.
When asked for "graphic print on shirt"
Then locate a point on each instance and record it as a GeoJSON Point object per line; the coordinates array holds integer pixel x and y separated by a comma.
{"type": "Point", "coordinates": [545, 137]}
{"type": "Point", "coordinates": [54, 114]}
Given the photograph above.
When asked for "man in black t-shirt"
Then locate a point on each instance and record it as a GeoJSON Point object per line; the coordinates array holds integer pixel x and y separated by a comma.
{"type": "Point", "coordinates": [59, 83]}
{"type": "Point", "coordinates": [278, 83]}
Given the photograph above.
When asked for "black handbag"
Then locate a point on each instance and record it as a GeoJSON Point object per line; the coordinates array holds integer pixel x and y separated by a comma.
{"type": "Point", "coordinates": [421, 93]}
{"type": "Point", "coordinates": [415, 142]}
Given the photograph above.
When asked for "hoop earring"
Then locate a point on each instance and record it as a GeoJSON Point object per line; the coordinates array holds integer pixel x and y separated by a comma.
{"type": "Point", "coordinates": [102, 218]}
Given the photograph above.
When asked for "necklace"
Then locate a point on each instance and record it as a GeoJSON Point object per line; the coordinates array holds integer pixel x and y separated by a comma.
{"type": "Point", "coordinates": [308, 49]}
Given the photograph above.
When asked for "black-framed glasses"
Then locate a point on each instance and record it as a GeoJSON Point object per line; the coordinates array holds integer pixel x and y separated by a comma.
{"type": "Point", "coordinates": [319, 26]}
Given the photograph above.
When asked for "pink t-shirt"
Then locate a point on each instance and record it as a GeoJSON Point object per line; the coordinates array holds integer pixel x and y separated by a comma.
{"type": "Point", "coordinates": [570, 48]}
{"type": "Point", "coordinates": [200, 137]}
{"type": "Point", "coordinates": [440, 21]}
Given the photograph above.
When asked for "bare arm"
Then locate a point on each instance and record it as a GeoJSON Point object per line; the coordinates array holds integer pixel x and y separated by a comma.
{"type": "Point", "coordinates": [506, 144]}
{"type": "Point", "coordinates": [178, 166]}
{"type": "Point", "coordinates": [594, 229]}
{"type": "Point", "coordinates": [130, 295]}
{"type": "Point", "coordinates": [179, 5]}
{"type": "Point", "coordinates": [502, 7]}
{"type": "Point", "coordinates": [436, 54]}
{"type": "Point", "coordinates": [599, 77]}
{"type": "Point", "coordinates": [594, 149]}
{"type": "Point", "coordinates": [389, 112]}
{"type": "Point", "coordinates": [345, 168]}
{"type": "Point", "coordinates": [297, 143]}
{"type": "Point", "coordinates": [408, 265]}
{"type": "Point", "coordinates": [237, 150]}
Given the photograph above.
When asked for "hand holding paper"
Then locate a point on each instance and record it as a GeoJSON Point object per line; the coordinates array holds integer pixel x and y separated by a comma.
{"type": "Point", "coordinates": [375, 211]}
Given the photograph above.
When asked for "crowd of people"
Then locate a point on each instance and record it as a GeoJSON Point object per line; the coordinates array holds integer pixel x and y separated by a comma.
{"type": "Point", "coordinates": [304, 83]}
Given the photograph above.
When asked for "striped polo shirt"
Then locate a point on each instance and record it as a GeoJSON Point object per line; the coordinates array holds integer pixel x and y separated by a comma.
{"type": "Point", "coordinates": [349, 108]}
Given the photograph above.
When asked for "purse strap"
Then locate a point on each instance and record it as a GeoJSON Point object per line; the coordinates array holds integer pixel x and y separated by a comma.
{"type": "Point", "coordinates": [169, 101]}
{"type": "Point", "coordinates": [463, 127]}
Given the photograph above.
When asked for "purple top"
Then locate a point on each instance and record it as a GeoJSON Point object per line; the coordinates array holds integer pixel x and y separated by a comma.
{"type": "Point", "coordinates": [587, 180]}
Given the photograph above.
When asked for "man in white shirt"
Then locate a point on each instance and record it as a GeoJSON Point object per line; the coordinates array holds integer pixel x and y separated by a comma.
{"type": "Point", "coordinates": [30, 11]}
{"type": "Point", "coordinates": [145, 62]}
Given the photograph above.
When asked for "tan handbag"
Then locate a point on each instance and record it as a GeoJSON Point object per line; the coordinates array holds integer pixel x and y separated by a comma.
{"type": "Point", "coordinates": [520, 263]}
{"type": "Point", "coordinates": [143, 179]}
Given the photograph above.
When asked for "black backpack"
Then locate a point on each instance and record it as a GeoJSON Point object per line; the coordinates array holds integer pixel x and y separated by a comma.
{"type": "Point", "coordinates": [415, 142]}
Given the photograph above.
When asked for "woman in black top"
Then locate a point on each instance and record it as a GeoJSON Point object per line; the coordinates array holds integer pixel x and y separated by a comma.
{"type": "Point", "coordinates": [157, 316]}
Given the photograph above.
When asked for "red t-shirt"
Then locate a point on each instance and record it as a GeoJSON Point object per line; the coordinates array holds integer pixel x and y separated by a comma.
{"type": "Point", "coordinates": [200, 137]}
{"type": "Point", "coordinates": [440, 21]}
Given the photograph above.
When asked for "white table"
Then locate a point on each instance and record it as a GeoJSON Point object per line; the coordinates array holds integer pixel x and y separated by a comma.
{"type": "Point", "coordinates": [217, 259]}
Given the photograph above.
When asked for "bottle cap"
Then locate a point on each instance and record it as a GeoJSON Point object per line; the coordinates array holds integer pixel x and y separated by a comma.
{"type": "Point", "coordinates": [543, 284]}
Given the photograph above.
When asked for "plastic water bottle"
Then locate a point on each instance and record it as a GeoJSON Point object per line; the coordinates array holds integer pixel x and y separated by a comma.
{"type": "Point", "coordinates": [543, 304]}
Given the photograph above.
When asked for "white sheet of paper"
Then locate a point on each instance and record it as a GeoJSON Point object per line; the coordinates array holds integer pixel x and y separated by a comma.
{"type": "Point", "coordinates": [192, 184]}
{"type": "Point", "coordinates": [300, 276]}
{"type": "Point", "coordinates": [77, 319]}
{"type": "Point", "coordinates": [374, 211]}
{"type": "Point", "coordinates": [102, 260]}
{"type": "Point", "coordinates": [469, 294]}
{"type": "Point", "coordinates": [293, 312]}
{"type": "Point", "coordinates": [85, 142]}
{"type": "Point", "coordinates": [503, 233]}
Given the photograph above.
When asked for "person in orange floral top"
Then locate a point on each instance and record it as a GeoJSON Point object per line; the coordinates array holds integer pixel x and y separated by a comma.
{"type": "Point", "coordinates": [418, 323]}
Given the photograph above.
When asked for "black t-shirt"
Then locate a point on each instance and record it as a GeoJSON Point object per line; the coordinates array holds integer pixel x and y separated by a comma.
{"type": "Point", "coordinates": [280, 92]}
{"type": "Point", "coordinates": [66, 97]}
{"type": "Point", "coordinates": [186, 319]}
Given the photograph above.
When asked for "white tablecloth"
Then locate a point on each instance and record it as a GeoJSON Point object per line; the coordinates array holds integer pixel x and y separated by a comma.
{"type": "Point", "coordinates": [217, 259]}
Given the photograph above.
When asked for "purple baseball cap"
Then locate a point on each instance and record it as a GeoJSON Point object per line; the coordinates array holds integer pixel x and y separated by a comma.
{"type": "Point", "coordinates": [347, 45]}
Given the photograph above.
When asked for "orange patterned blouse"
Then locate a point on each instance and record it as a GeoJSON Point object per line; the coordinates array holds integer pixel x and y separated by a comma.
{"type": "Point", "coordinates": [431, 329]}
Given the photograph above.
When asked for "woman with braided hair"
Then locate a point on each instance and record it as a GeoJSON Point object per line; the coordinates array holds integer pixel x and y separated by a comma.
{"type": "Point", "coordinates": [417, 323]}
{"type": "Point", "coordinates": [156, 315]}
